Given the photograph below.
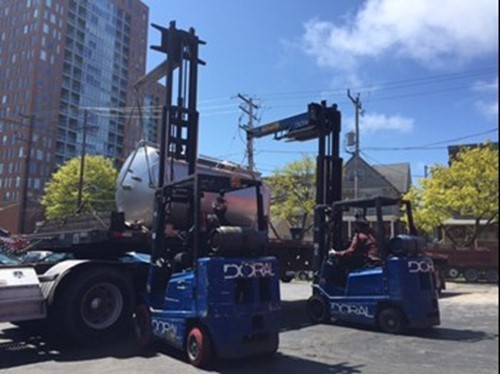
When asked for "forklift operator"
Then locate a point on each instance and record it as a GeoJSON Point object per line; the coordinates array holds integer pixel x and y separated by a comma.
{"type": "Point", "coordinates": [363, 249]}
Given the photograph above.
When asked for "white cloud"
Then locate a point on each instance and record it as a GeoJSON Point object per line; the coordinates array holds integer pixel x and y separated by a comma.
{"type": "Point", "coordinates": [373, 122]}
{"type": "Point", "coordinates": [433, 33]}
{"type": "Point", "coordinates": [482, 86]}
{"type": "Point", "coordinates": [488, 108]}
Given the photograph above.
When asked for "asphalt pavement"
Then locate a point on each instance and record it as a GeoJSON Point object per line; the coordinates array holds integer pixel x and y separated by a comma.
{"type": "Point", "coordinates": [465, 342]}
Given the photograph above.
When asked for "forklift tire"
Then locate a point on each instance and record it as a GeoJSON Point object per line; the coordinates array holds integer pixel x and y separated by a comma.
{"type": "Point", "coordinates": [391, 320]}
{"type": "Point", "coordinates": [317, 309]}
{"type": "Point", "coordinates": [142, 326]}
{"type": "Point", "coordinates": [199, 347]}
{"type": "Point", "coordinates": [95, 306]}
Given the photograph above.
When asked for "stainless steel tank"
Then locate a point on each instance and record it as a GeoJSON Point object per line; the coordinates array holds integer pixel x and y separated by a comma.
{"type": "Point", "coordinates": [137, 182]}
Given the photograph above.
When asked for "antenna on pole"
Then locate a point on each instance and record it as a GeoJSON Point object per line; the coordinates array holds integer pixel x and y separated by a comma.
{"type": "Point", "coordinates": [358, 108]}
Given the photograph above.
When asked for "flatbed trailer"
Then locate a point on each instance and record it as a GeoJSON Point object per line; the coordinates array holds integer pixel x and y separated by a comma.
{"type": "Point", "coordinates": [87, 233]}
{"type": "Point", "coordinates": [474, 264]}
{"type": "Point", "coordinates": [294, 256]}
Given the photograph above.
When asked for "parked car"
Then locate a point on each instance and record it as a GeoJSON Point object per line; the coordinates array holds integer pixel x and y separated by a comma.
{"type": "Point", "coordinates": [43, 260]}
{"type": "Point", "coordinates": [8, 259]}
{"type": "Point", "coordinates": [32, 257]}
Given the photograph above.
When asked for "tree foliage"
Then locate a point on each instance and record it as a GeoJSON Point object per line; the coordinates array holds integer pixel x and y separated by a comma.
{"type": "Point", "coordinates": [61, 192]}
{"type": "Point", "coordinates": [467, 188]}
{"type": "Point", "coordinates": [293, 192]}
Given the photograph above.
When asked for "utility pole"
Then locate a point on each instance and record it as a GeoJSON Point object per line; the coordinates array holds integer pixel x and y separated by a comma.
{"type": "Point", "coordinates": [26, 174]}
{"type": "Point", "coordinates": [249, 110]}
{"type": "Point", "coordinates": [357, 107]}
{"type": "Point", "coordinates": [82, 162]}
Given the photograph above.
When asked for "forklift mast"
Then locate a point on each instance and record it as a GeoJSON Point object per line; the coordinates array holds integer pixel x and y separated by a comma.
{"type": "Point", "coordinates": [322, 123]}
{"type": "Point", "coordinates": [179, 128]}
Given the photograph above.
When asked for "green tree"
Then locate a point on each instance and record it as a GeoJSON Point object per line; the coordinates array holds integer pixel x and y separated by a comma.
{"type": "Point", "coordinates": [466, 188]}
{"type": "Point", "coordinates": [61, 192]}
{"type": "Point", "coordinates": [293, 190]}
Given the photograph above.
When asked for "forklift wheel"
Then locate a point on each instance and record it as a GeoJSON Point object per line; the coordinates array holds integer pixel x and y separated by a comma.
{"type": "Point", "coordinates": [142, 326]}
{"type": "Point", "coordinates": [317, 309]}
{"type": "Point", "coordinates": [391, 320]}
{"type": "Point", "coordinates": [199, 347]}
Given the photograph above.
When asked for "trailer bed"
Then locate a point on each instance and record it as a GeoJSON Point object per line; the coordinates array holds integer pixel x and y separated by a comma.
{"type": "Point", "coordinates": [88, 233]}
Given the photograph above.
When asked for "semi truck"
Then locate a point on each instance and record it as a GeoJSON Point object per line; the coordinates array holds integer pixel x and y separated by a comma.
{"type": "Point", "coordinates": [183, 259]}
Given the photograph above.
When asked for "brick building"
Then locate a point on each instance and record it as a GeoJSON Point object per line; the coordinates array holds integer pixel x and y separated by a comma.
{"type": "Point", "coordinates": [68, 69]}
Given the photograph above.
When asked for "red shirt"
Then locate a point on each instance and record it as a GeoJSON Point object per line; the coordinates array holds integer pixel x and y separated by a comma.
{"type": "Point", "coordinates": [364, 244]}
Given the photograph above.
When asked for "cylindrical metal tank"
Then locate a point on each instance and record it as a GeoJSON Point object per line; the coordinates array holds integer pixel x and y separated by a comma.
{"type": "Point", "coordinates": [137, 182]}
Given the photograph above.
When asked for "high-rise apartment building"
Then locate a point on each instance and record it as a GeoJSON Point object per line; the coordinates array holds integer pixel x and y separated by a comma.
{"type": "Point", "coordinates": [67, 69]}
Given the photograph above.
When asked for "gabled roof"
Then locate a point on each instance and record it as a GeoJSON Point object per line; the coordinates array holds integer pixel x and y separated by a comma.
{"type": "Point", "coordinates": [397, 174]}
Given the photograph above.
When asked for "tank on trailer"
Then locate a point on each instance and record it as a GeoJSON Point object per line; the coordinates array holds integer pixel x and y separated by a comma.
{"type": "Point", "coordinates": [137, 183]}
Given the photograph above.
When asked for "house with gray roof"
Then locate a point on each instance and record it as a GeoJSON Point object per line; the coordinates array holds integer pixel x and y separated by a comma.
{"type": "Point", "coordinates": [391, 180]}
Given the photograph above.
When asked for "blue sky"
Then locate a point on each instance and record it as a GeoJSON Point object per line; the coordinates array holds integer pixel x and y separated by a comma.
{"type": "Point", "coordinates": [426, 72]}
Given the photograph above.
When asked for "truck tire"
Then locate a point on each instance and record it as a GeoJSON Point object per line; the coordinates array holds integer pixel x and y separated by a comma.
{"type": "Point", "coordinates": [453, 273]}
{"type": "Point", "coordinates": [492, 275]}
{"type": "Point", "coordinates": [471, 275]}
{"type": "Point", "coordinates": [318, 309]}
{"type": "Point", "coordinates": [391, 320]}
{"type": "Point", "coordinates": [95, 306]}
{"type": "Point", "coordinates": [199, 347]}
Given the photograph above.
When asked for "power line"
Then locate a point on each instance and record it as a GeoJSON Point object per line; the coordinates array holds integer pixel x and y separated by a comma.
{"type": "Point", "coordinates": [431, 145]}
{"type": "Point", "coordinates": [322, 92]}
{"type": "Point", "coordinates": [388, 84]}
{"type": "Point", "coordinates": [406, 148]}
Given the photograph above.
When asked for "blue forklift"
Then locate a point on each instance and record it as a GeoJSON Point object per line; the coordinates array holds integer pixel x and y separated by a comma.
{"type": "Point", "coordinates": [394, 295]}
{"type": "Point", "coordinates": [211, 289]}
{"type": "Point", "coordinates": [400, 292]}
